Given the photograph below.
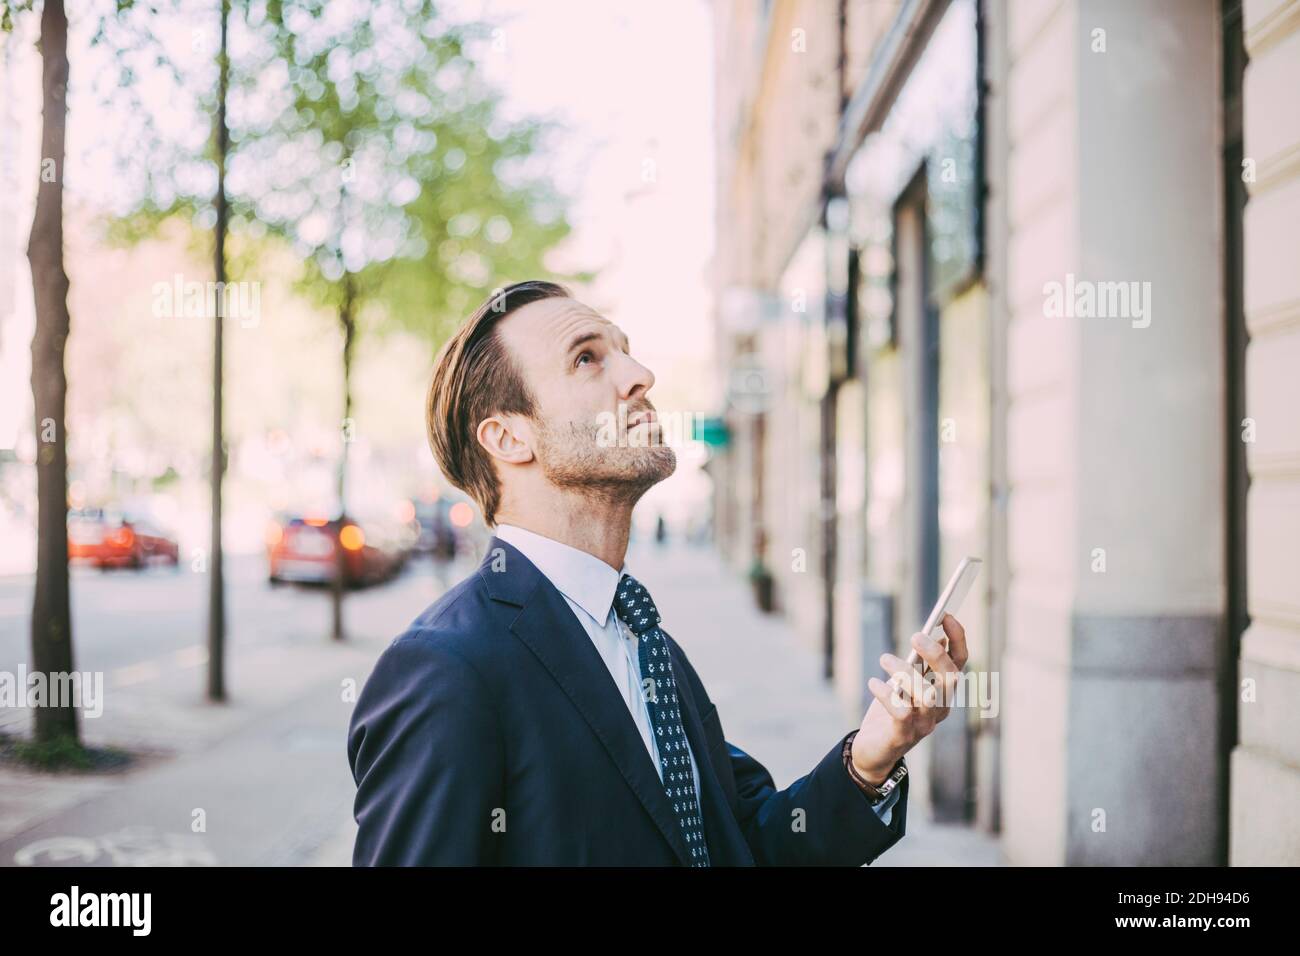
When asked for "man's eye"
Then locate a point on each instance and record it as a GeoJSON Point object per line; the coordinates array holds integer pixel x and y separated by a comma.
{"type": "Point", "coordinates": [584, 355]}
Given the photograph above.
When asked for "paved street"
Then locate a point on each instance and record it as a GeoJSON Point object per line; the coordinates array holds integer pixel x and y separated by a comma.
{"type": "Point", "coordinates": [267, 775]}
{"type": "Point", "coordinates": [267, 770]}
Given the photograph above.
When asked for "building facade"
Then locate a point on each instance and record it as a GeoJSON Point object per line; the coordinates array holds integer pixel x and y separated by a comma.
{"type": "Point", "coordinates": [1019, 281]}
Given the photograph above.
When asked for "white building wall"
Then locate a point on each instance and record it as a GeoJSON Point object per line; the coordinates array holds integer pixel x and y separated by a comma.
{"type": "Point", "coordinates": [1114, 436]}
{"type": "Point", "coordinates": [1266, 762]}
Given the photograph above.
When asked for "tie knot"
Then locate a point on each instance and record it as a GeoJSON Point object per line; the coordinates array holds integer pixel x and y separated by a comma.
{"type": "Point", "coordinates": [633, 606]}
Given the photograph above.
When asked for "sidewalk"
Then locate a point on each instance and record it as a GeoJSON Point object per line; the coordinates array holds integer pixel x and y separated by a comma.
{"type": "Point", "coordinates": [768, 687]}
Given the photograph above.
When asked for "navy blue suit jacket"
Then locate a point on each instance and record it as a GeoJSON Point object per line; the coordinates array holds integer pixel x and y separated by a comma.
{"type": "Point", "coordinates": [490, 733]}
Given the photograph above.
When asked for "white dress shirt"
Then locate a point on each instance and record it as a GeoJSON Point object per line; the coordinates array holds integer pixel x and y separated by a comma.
{"type": "Point", "coordinates": [588, 585]}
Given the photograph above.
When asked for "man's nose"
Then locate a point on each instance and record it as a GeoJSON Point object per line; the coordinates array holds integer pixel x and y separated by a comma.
{"type": "Point", "coordinates": [633, 378]}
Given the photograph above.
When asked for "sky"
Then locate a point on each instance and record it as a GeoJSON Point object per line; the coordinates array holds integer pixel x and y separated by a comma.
{"type": "Point", "coordinates": [633, 81]}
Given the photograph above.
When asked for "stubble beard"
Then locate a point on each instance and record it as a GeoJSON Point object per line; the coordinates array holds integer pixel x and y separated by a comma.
{"type": "Point", "coordinates": [573, 459]}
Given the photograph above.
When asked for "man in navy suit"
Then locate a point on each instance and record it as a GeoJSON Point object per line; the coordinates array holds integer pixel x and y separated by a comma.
{"type": "Point", "coordinates": [540, 713]}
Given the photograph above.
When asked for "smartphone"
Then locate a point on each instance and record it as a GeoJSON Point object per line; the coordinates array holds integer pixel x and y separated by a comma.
{"type": "Point", "coordinates": [949, 602]}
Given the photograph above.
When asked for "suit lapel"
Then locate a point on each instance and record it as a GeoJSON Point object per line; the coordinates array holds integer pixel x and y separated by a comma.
{"type": "Point", "coordinates": [547, 625]}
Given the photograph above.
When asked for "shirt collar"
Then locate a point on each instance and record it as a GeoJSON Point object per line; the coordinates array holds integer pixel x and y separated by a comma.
{"type": "Point", "coordinates": [583, 578]}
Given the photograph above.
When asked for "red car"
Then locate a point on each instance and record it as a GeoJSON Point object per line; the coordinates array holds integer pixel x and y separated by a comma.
{"type": "Point", "coordinates": [307, 549]}
{"type": "Point", "coordinates": [110, 540]}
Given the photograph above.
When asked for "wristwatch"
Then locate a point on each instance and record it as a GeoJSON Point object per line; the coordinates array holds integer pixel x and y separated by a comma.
{"type": "Point", "coordinates": [875, 794]}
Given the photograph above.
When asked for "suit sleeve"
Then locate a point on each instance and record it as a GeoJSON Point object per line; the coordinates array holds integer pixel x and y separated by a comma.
{"type": "Point", "coordinates": [822, 819]}
{"type": "Point", "coordinates": [427, 756]}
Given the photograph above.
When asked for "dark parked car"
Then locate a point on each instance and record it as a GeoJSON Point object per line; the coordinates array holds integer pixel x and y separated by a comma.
{"type": "Point", "coordinates": [437, 534]}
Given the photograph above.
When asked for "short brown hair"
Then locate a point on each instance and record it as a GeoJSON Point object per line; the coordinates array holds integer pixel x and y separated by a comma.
{"type": "Point", "coordinates": [474, 377]}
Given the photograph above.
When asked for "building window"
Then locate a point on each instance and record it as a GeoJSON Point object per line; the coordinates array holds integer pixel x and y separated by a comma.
{"type": "Point", "coordinates": [932, 131]}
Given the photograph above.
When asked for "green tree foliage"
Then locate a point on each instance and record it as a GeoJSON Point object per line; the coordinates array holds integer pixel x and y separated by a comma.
{"type": "Point", "coordinates": [365, 135]}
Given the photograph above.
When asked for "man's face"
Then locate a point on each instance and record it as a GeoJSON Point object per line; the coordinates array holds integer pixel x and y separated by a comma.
{"type": "Point", "coordinates": [594, 427]}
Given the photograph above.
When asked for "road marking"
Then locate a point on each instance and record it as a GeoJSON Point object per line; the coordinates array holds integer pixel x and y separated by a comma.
{"type": "Point", "coordinates": [136, 673]}
{"type": "Point", "coordinates": [130, 846]}
{"type": "Point", "coordinates": [191, 656]}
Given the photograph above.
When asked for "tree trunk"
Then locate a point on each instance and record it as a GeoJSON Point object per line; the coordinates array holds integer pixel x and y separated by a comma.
{"type": "Point", "coordinates": [348, 319]}
{"type": "Point", "coordinates": [216, 563]}
{"type": "Point", "coordinates": [51, 610]}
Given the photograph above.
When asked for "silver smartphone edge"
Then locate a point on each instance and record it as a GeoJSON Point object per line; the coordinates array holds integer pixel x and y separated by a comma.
{"type": "Point", "coordinates": [941, 606]}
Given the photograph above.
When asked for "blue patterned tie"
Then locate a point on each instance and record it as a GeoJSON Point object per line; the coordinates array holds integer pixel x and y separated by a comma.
{"type": "Point", "coordinates": [635, 609]}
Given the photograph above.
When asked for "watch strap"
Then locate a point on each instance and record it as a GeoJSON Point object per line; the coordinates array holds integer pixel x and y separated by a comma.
{"type": "Point", "coordinates": [876, 794]}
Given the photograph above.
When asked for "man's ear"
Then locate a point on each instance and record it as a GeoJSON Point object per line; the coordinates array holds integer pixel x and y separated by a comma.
{"type": "Point", "coordinates": [507, 438]}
